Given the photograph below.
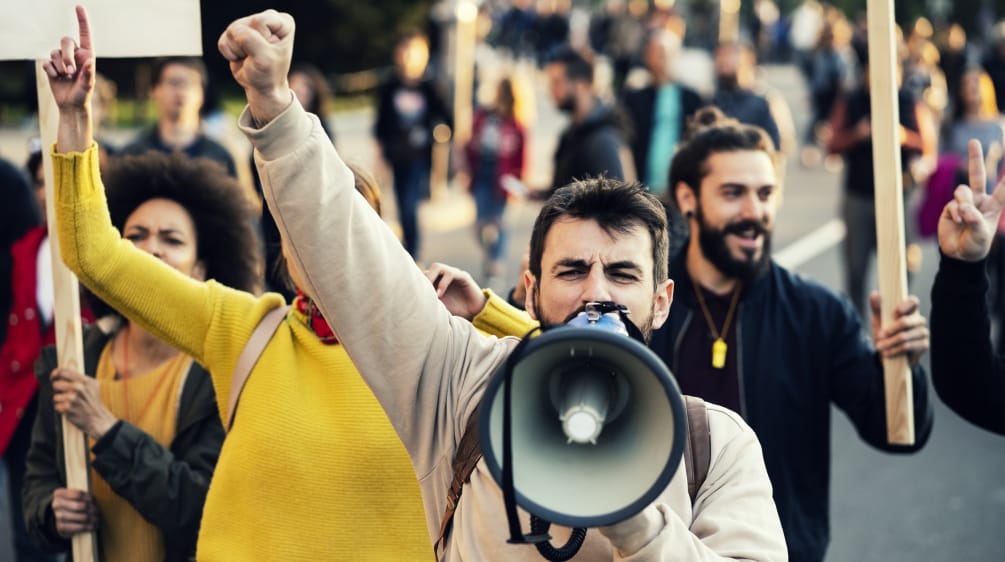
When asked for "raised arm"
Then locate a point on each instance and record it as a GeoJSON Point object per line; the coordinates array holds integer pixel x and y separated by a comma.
{"type": "Point", "coordinates": [172, 306]}
{"type": "Point", "coordinates": [425, 367]}
{"type": "Point", "coordinates": [966, 373]}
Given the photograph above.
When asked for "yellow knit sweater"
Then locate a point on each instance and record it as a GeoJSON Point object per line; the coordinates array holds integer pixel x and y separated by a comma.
{"type": "Point", "coordinates": [312, 469]}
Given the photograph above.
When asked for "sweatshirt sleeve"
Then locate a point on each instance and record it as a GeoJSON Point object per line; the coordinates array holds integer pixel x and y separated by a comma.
{"type": "Point", "coordinates": [966, 374]}
{"type": "Point", "coordinates": [734, 515]}
{"type": "Point", "coordinates": [427, 368]}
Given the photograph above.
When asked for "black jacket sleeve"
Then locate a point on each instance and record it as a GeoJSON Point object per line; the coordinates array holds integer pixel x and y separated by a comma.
{"type": "Point", "coordinates": [167, 486]}
{"type": "Point", "coordinates": [966, 374]}
{"type": "Point", "coordinates": [856, 383]}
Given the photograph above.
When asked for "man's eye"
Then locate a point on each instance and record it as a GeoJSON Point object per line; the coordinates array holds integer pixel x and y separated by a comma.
{"type": "Point", "coordinates": [569, 273]}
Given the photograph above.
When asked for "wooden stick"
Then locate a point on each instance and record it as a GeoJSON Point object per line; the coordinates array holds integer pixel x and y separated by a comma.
{"type": "Point", "coordinates": [69, 342]}
{"type": "Point", "coordinates": [891, 262]}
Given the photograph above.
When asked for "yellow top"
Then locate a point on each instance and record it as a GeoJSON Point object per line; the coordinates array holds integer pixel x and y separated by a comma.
{"type": "Point", "coordinates": [150, 402]}
{"type": "Point", "coordinates": [312, 469]}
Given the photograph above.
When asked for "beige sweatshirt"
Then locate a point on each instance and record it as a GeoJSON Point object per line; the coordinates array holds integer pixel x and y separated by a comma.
{"type": "Point", "coordinates": [428, 369]}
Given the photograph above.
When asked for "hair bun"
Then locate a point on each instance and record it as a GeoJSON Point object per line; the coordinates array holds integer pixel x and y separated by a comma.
{"type": "Point", "coordinates": [706, 118]}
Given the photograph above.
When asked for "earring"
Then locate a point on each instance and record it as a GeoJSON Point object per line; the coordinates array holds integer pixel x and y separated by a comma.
{"type": "Point", "coordinates": [689, 214]}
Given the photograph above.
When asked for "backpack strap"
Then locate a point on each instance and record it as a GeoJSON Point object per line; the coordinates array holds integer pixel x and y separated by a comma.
{"type": "Point", "coordinates": [249, 357]}
{"type": "Point", "coordinates": [698, 447]}
{"type": "Point", "coordinates": [468, 454]}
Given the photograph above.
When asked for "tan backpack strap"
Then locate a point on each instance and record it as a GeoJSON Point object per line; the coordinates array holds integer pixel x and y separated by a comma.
{"type": "Point", "coordinates": [468, 454]}
{"type": "Point", "coordinates": [698, 447]}
{"type": "Point", "coordinates": [249, 356]}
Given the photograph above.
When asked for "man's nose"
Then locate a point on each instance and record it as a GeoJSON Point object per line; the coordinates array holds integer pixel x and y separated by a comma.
{"type": "Point", "coordinates": [752, 209]}
{"type": "Point", "coordinates": [597, 287]}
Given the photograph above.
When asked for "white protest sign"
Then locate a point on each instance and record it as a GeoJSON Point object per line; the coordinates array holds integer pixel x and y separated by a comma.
{"type": "Point", "coordinates": [31, 29]}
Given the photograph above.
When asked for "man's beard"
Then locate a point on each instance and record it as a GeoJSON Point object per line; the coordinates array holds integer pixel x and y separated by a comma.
{"type": "Point", "coordinates": [728, 82]}
{"type": "Point", "coordinates": [567, 104]}
{"type": "Point", "coordinates": [713, 246]}
{"type": "Point", "coordinates": [646, 328]}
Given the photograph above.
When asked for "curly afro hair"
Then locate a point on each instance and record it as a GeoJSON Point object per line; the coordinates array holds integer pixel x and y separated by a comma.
{"type": "Point", "coordinates": [223, 216]}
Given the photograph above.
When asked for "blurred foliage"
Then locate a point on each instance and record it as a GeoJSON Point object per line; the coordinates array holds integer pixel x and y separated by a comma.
{"type": "Point", "coordinates": [337, 36]}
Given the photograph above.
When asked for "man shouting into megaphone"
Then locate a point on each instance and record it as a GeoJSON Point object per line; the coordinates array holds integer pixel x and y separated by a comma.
{"type": "Point", "coordinates": [594, 241]}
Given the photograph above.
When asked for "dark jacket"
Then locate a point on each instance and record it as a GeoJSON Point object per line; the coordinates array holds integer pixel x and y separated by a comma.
{"type": "Point", "coordinates": [638, 105]}
{"type": "Point", "coordinates": [404, 126]}
{"type": "Point", "coordinates": [591, 148]}
{"type": "Point", "coordinates": [849, 111]}
{"type": "Point", "coordinates": [202, 147]}
{"type": "Point", "coordinates": [802, 348]}
{"type": "Point", "coordinates": [966, 374]}
{"type": "Point", "coordinates": [748, 107]}
{"type": "Point", "coordinates": [166, 486]}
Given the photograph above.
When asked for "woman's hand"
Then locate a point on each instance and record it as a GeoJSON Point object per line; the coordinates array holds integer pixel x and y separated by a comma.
{"type": "Point", "coordinates": [78, 398]}
{"type": "Point", "coordinates": [457, 290]}
{"type": "Point", "coordinates": [71, 78]}
{"type": "Point", "coordinates": [75, 512]}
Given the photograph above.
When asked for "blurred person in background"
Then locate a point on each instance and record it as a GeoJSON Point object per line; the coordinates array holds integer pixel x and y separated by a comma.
{"type": "Point", "coordinates": [851, 138]}
{"type": "Point", "coordinates": [827, 76]}
{"type": "Point", "coordinates": [409, 107]}
{"type": "Point", "coordinates": [494, 160]}
{"type": "Point", "coordinates": [994, 62]}
{"type": "Point", "coordinates": [594, 142]}
{"type": "Point", "coordinates": [735, 68]}
{"type": "Point", "coordinates": [179, 91]}
{"type": "Point", "coordinates": [659, 112]}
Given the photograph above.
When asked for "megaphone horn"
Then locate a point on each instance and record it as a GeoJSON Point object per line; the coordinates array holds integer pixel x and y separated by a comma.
{"type": "Point", "coordinates": [597, 426]}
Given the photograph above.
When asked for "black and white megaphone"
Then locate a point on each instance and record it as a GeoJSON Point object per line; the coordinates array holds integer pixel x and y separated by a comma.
{"type": "Point", "coordinates": [583, 426]}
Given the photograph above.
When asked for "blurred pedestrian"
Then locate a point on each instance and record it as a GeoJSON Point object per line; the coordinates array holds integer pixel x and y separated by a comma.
{"type": "Point", "coordinates": [495, 160]}
{"type": "Point", "coordinates": [408, 109]}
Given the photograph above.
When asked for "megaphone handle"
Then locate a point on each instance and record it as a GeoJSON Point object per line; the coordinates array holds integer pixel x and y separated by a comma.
{"type": "Point", "coordinates": [509, 492]}
{"type": "Point", "coordinates": [539, 527]}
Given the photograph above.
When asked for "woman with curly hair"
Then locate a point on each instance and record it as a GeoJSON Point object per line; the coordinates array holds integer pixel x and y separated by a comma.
{"type": "Point", "coordinates": [311, 468]}
{"type": "Point", "coordinates": [148, 409]}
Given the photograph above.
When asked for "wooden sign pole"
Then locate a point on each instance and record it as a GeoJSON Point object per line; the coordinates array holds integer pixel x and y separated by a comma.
{"type": "Point", "coordinates": [890, 258]}
{"type": "Point", "coordinates": [69, 342]}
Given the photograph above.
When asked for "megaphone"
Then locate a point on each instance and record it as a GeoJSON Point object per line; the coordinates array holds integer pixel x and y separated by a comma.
{"type": "Point", "coordinates": [596, 425]}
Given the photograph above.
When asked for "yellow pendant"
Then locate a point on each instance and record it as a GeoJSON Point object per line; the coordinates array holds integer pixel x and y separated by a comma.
{"type": "Point", "coordinates": [719, 353]}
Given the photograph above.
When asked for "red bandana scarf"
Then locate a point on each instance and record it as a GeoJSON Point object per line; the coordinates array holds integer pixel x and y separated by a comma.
{"type": "Point", "coordinates": [313, 319]}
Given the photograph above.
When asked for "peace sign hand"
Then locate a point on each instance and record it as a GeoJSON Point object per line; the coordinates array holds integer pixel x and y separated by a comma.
{"type": "Point", "coordinates": [71, 69]}
{"type": "Point", "coordinates": [968, 223]}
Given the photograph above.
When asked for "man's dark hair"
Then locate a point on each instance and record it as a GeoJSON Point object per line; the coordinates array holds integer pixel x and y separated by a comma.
{"type": "Point", "coordinates": [711, 132]}
{"type": "Point", "coordinates": [195, 63]}
{"type": "Point", "coordinates": [615, 205]}
{"type": "Point", "coordinates": [577, 68]}
{"type": "Point", "coordinates": [221, 212]}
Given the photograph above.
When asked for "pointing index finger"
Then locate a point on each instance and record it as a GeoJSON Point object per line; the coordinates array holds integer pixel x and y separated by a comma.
{"type": "Point", "coordinates": [84, 27]}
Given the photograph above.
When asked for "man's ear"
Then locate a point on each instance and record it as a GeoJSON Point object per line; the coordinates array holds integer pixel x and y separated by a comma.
{"type": "Point", "coordinates": [686, 201]}
{"type": "Point", "coordinates": [530, 284]}
{"type": "Point", "coordinates": [661, 303]}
